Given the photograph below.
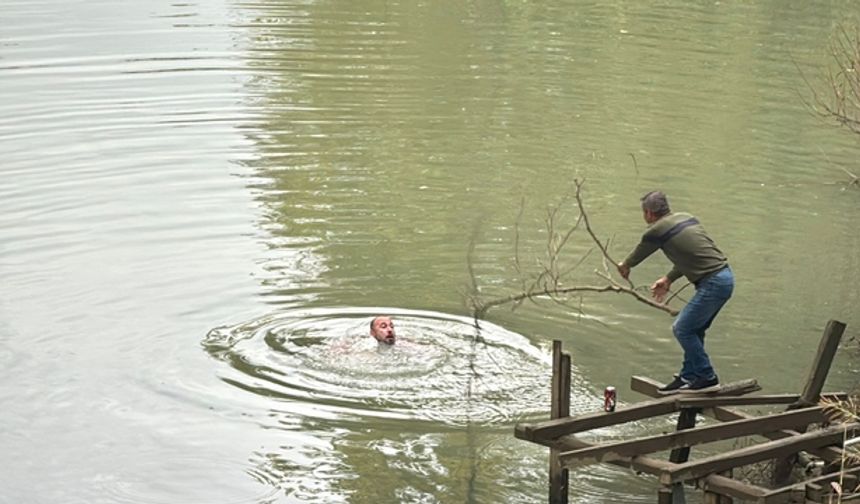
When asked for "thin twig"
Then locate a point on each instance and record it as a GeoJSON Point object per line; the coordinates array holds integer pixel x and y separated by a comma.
{"type": "Point", "coordinates": [517, 235]}
{"type": "Point", "coordinates": [588, 226]}
{"type": "Point", "coordinates": [855, 180]}
{"type": "Point", "coordinates": [635, 164]}
{"type": "Point", "coordinates": [675, 294]}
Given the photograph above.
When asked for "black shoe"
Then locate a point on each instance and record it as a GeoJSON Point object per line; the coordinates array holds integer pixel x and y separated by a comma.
{"type": "Point", "coordinates": [701, 385]}
{"type": "Point", "coordinates": [672, 387]}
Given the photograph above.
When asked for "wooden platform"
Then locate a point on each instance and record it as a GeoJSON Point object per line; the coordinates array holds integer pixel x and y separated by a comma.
{"type": "Point", "coordinates": [785, 433]}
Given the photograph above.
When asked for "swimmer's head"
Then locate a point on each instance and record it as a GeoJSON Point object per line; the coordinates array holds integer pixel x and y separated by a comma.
{"type": "Point", "coordinates": [382, 328]}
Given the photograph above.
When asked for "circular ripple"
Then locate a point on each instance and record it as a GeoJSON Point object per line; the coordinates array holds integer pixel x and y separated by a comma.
{"type": "Point", "coordinates": [442, 367]}
{"type": "Point", "coordinates": [133, 484]}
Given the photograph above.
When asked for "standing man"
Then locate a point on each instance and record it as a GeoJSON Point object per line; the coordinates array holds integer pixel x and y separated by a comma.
{"type": "Point", "coordinates": [694, 255]}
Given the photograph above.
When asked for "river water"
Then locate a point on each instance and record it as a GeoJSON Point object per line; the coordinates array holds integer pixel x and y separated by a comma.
{"type": "Point", "coordinates": [203, 204]}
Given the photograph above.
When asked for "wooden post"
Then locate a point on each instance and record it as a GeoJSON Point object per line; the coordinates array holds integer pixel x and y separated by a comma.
{"type": "Point", "coordinates": [664, 496]}
{"type": "Point", "coordinates": [725, 499]}
{"type": "Point", "coordinates": [564, 406]}
{"type": "Point", "coordinates": [711, 498]}
{"type": "Point", "coordinates": [812, 389]}
{"type": "Point", "coordinates": [686, 420]}
{"type": "Point", "coordinates": [559, 407]}
{"type": "Point", "coordinates": [823, 359]}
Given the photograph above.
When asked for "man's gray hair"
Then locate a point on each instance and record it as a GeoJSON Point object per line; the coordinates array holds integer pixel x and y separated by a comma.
{"type": "Point", "coordinates": [656, 202]}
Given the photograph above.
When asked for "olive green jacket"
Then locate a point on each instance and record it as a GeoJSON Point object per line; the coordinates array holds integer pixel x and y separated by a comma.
{"type": "Point", "coordinates": [684, 241]}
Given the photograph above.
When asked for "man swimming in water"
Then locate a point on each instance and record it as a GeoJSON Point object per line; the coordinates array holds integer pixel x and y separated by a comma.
{"type": "Point", "coordinates": [382, 328]}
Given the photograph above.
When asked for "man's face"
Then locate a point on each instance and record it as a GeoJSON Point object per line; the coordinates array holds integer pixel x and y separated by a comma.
{"type": "Point", "coordinates": [648, 216]}
{"type": "Point", "coordinates": [383, 330]}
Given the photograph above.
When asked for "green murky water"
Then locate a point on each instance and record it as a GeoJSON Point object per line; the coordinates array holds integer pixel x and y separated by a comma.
{"type": "Point", "coordinates": [202, 205]}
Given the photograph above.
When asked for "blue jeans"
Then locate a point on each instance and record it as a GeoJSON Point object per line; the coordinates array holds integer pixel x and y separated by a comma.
{"type": "Point", "coordinates": [689, 327]}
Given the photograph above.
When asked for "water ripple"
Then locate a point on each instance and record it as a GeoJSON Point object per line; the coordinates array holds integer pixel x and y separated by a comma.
{"type": "Point", "coordinates": [442, 368]}
{"type": "Point", "coordinates": [131, 484]}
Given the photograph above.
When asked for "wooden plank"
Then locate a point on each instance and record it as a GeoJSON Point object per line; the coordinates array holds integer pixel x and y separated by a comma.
{"type": "Point", "coordinates": [642, 463]}
{"type": "Point", "coordinates": [545, 432]}
{"type": "Point", "coordinates": [815, 492]}
{"type": "Point", "coordinates": [772, 496]}
{"type": "Point", "coordinates": [684, 438]}
{"type": "Point", "coordinates": [829, 453]}
{"type": "Point", "coordinates": [648, 465]}
{"type": "Point", "coordinates": [732, 488]}
{"type": "Point", "coordinates": [649, 387]}
{"type": "Point", "coordinates": [756, 453]}
{"type": "Point", "coordinates": [754, 400]}
{"type": "Point", "coordinates": [795, 494]}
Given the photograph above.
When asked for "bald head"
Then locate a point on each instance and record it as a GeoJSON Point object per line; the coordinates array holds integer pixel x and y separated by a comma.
{"type": "Point", "coordinates": [382, 329]}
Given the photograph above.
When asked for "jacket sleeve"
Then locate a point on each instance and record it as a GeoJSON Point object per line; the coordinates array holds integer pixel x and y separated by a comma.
{"type": "Point", "coordinates": [641, 252]}
{"type": "Point", "coordinates": [674, 274]}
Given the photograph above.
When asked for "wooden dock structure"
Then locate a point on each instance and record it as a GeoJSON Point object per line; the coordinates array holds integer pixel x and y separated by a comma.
{"type": "Point", "coordinates": [786, 436]}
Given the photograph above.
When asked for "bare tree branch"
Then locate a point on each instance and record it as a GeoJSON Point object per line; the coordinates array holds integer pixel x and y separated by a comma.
{"type": "Point", "coordinates": [588, 226]}
{"type": "Point", "coordinates": [482, 310]}
{"type": "Point", "coordinates": [837, 96]}
{"type": "Point", "coordinates": [553, 279]}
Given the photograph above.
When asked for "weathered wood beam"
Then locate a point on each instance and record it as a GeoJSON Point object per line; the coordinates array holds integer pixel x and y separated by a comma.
{"type": "Point", "coordinates": [815, 492]}
{"type": "Point", "coordinates": [642, 463]}
{"type": "Point", "coordinates": [751, 454]}
{"type": "Point", "coordinates": [649, 387]}
{"type": "Point", "coordinates": [829, 453]}
{"type": "Point", "coordinates": [546, 431]}
{"type": "Point", "coordinates": [778, 495]}
{"type": "Point", "coordinates": [691, 437]}
{"type": "Point", "coordinates": [730, 487]}
{"type": "Point", "coordinates": [648, 465]}
{"type": "Point", "coordinates": [754, 400]}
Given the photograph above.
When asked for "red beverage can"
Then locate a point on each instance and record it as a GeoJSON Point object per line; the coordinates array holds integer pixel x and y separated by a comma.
{"type": "Point", "coordinates": [609, 397]}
